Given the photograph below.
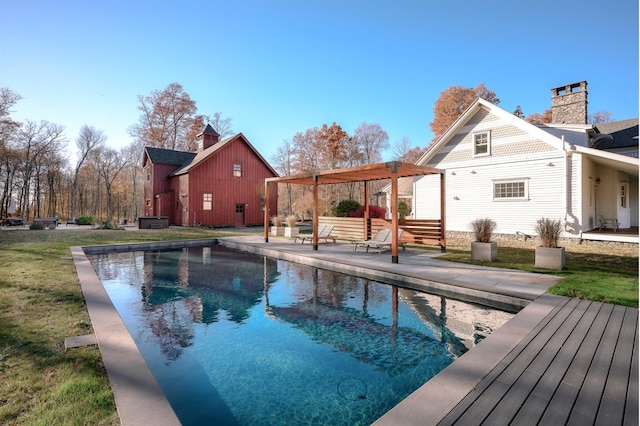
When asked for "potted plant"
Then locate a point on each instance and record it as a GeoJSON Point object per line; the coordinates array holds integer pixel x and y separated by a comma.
{"type": "Point", "coordinates": [483, 249]}
{"type": "Point", "coordinates": [291, 230]}
{"type": "Point", "coordinates": [277, 228]}
{"type": "Point", "coordinates": [548, 254]}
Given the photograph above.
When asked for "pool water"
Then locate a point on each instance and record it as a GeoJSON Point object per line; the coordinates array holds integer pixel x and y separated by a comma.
{"type": "Point", "coordinates": [240, 339]}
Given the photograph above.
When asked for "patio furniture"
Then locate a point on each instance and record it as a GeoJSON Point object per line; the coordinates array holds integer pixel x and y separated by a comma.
{"type": "Point", "coordinates": [381, 240]}
{"type": "Point", "coordinates": [324, 233]}
{"type": "Point", "coordinates": [604, 223]}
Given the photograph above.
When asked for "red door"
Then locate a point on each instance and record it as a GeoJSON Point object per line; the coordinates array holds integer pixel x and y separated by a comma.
{"type": "Point", "coordinates": [239, 217]}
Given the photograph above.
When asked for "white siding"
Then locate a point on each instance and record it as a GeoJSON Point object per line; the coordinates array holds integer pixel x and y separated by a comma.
{"type": "Point", "coordinates": [470, 196]}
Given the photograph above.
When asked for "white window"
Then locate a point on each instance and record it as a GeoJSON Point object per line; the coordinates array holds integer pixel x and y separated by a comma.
{"type": "Point", "coordinates": [511, 189]}
{"type": "Point", "coordinates": [481, 144]}
{"type": "Point", "coordinates": [207, 201]}
{"type": "Point", "coordinates": [237, 170]}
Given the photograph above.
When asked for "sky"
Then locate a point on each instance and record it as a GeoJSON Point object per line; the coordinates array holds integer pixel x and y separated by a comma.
{"type": "Point", "coordinates": [279, 67]}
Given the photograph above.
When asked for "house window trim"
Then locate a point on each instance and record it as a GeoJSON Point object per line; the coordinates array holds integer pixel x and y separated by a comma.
{"type": "Point", "coordinates": [473, 141]}
{"type": "Point", "coordinates": [525, 181]}
{"type": "Point", "coordinates": [207, 201]}
{"type": "Point", "coordinates": [237, 170]}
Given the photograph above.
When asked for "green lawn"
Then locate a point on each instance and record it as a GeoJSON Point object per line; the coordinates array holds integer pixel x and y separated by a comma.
{"type": "Point", "coordinates": [41, 304]}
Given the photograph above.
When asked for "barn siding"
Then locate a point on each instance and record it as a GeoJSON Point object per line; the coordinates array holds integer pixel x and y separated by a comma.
{"type": "Point", "coordinates": [215, 175]}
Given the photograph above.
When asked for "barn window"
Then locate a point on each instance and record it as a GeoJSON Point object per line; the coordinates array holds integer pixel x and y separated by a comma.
{"type": "Point", "coordinates": [511, 189]}
{"type": "Point", "coordinates": [207, 201]}
{"type": "Point", "coordinates": [237, 170]}
{"type": "Point", "coordinates": [481, 144]}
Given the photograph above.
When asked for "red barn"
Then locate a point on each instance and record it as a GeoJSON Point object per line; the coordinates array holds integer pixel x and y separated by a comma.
{"type": "Point", "coordinates": [220, 185]}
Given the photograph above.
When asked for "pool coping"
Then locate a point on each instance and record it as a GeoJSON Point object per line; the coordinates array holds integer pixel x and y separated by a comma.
{"type": "Point", "coordinates": [140, 400]}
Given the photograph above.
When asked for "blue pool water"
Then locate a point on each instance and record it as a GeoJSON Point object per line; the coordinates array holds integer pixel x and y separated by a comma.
{"type": "Point", "coordinates": [239, 339]}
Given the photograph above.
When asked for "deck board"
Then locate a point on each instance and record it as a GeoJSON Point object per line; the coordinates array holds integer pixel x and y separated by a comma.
{"type": "Point", "coordinates": [578, 366]}
{"type": "Point", "coordinates": [611, 409]}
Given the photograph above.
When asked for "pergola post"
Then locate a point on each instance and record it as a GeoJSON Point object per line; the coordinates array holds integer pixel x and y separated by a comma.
{"type": "Point", "coordinates": [266, 211]}
{"type": "Point", "coordinates": [315, 213]}
{"type": "Point", "coordinates": [366, 210]}
{"type": "Point", "coordinates": [394, 212]}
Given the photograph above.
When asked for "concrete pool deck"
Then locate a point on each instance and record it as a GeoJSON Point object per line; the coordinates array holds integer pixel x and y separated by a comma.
{"type": "Point", "coordinates": [458, 391]}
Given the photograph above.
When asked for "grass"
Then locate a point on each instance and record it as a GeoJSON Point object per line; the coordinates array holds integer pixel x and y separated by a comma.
{"type": "Point", "coordinates": [598, 273]}
{"type": "Point", "coordinates": [41, 304]}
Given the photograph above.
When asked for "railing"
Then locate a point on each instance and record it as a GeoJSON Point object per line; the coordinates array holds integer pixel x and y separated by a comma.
{"type": "Point", "coordinates": [415, 231]}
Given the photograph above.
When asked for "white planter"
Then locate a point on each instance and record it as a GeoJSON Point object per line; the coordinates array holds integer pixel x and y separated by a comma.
{"type": "Point", "coordinates": [291, 231]}
{"type": "Point", "coordinates": [550, 257]}
{"type": "Point", "coordinates": [277, 230]}
{"type": "Point", "coordinates": [484, 252]}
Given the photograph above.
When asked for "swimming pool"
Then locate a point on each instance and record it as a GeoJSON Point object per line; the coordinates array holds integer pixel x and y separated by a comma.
{"type": "Point", "coordinates": [237, 338]}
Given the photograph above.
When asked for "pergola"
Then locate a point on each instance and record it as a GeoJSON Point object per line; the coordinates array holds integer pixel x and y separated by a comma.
{"type": "Point", "coordinates": [392, 170]}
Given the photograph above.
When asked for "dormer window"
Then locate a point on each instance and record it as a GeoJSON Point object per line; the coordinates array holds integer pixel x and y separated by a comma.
{"type": "Point", "coordinates": [481, 144]}
{"type": "Point", "coordinates": [237, 170]}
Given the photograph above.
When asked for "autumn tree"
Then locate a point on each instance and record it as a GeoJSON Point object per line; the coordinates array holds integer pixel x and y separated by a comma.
{"type": "Point", "coordinates": [453, 102]}
{"type": "Point", "coordinates": [220, 124]}
{"type": "Point", "coordinates": [166, 117]}
{"type": "Point", "coordinates": [282, 162]}
{"type": "Point", "coordinates": [537, 118]}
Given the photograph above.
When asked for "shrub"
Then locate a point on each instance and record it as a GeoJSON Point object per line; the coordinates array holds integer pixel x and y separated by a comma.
{"type": "Point", "coordinates": [110, 225]}
{"type": "Point", "coordinates": [291, 221]}
{"type": "Point", "coordinates": [86, 220]}
{"type": "Point", "coordinates": [346, 207]}
{"type": "Point", "coordinates": [549, 231]}
{"type": "Point", "coordinates": [403, 209]}
{"type": "Point", "coordinates": [483, 229]}
{"type": "Point", "coordinates": [36, 226]}
{"type": "Point", "coordinates": [374, 211]}
{"type": "Point", "coordinates": [276, 221]}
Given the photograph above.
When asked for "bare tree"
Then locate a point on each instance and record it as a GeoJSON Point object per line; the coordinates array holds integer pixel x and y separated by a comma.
{"type": "Point", "coordinates": [35, 140]}
{"type": "Point", "coordinates": [282, 162]}
{"type": "Point", "coordinates": [600, 117]}
{"type": "Point", "coordinates": [109, 164]}
{"type": "Point", "coordinates": [88, 140]}
{"type": "Point", "coordinates": [402, 151]}
{"type": "Point", "coordinates": [371, 140]}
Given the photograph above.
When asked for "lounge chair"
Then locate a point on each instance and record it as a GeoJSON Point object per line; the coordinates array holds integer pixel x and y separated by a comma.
{"type": "Point", "coordinates": [381, 240]}
{"type": "Point", "coordinates": [324, 233]}
{"type": "Point", "coordinates": [604, 223]}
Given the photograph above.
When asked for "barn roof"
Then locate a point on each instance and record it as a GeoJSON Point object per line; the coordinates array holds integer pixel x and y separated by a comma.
{"type": "Point", "coordinates": [169, 156]}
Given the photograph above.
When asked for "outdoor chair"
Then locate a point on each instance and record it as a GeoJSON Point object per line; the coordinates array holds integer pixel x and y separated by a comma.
{"type": "Point", "coordinates": [324, 233]}
{"type": "Point", "coordinates": [604, 223]}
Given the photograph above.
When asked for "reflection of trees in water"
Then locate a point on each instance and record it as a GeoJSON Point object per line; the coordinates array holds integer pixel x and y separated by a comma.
{"type": "Point", "coordinates": [172, 326]}
{"type": "Point", "coordinates": [331, 287]}
{"type": "Point", "coordinates": [199, 285]}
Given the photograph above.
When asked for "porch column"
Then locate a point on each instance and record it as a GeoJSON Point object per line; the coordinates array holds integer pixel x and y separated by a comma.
{"type": "Point", "coordinates": [443, 212]}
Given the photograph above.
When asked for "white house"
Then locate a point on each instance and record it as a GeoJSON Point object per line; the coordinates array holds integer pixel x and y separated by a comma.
{"type": "Point", "coordinates": [514, 172]}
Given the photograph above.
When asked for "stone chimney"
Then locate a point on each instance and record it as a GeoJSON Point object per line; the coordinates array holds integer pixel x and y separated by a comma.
{"type": "Point", "coordinates": [207, 138]}
{"type": "Point", "coordinates": [569, 104]}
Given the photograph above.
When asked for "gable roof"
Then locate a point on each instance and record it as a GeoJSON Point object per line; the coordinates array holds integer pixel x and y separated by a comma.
{"type": "Point", "coordinates": [169, 156]}
{"type": "Point", "coordinates": [213, 149]}
{"type": "Point", "coordinates": [478, 105]}
{"type": "Point", "coordinates": [624, 133]}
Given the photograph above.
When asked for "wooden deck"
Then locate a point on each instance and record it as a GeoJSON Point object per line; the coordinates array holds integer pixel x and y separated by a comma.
{"type": "Point", "coordinates": [578, 365]}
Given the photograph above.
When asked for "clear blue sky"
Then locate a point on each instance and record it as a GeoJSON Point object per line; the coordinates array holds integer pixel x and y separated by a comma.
{"type": "Point", "coordinates": [277, 67]}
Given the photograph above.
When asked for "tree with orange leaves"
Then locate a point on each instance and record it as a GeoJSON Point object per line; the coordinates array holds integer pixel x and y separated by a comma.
{"type": "Point", "coordinates": [453, 102]}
